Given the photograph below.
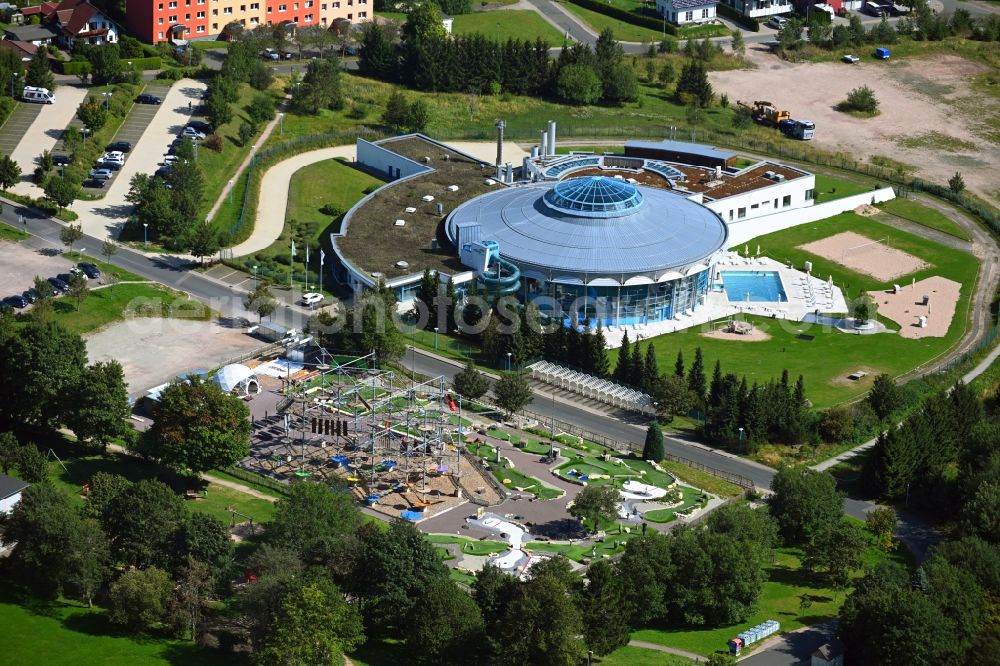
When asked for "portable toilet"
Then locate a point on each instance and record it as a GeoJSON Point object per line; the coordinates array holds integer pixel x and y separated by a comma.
{"type": "Point", "coordinates": [882, 53]}
{"type": "Point", "coordinates": [735, 645]}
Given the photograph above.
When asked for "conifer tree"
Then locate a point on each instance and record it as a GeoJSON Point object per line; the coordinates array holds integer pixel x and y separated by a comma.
{"type": "Point", "coordinates": [650, 372]}
{"type": "Point", "coordinates": [696, 376]}
{"type": "Point", "coordinates": [600, 353]}
{"type": "Point", "coordinates": [636, 367]}
{"type": "Point", "coordinates": [622, 372]}
{"type": "Point", "coordinates": [679, 364]}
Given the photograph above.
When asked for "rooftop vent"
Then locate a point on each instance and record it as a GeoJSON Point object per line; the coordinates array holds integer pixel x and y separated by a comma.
{"type": "Point", "coordinates": [453, 188]}
{"type": "Point", "coordinates": [411, 209]}
{"type": "Point", "coordinates": [402, 264]}
{"type": "Point", "coordinates": [769, 175]}
{"type": "Point", "coordinates": [427, 197]}
{"type": "Point", "coordinates": [427, 159]}
{"type": "Point", "coordinates": [779, 178]}
{"type": "Point", "coordinates": [399, 223]}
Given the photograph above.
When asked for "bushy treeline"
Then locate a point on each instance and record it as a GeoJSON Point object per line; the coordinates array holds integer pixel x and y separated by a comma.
{"type": "Point", "coordinates": [427, 59]}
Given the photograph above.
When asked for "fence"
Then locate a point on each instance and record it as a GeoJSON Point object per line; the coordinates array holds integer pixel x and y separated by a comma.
{"type": "Point", "coordinates": [735, 479]}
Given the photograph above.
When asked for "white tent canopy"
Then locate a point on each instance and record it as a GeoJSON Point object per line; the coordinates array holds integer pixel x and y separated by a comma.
{"type": "Point", "coordinates": [235, 376]}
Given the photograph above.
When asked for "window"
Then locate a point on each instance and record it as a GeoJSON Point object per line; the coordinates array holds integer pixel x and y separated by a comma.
{"type": "Point", "coordinates": [754, 206]}
{"type": "Point", "coordinates": [295, 6]}
{"type": "Point", "coordinates": [254, 20]}
{"type": "Point", "coordinates": [336, 5]}
{"type": "Point", "coordinates": [172, 19]}
{"type": "Point", "coordinates": [173, 4]}
{"type": "Point", "coordinates": [187, 17]}
{"type": "Point", "coordinates": [810, 195]}
{"type": "Point", "coordinates": [227, 11]}
{"type": "Point", "coordinates": [787, 201]}
{"type": "Point", "coordinates": [308, 18]}
{"type": "Point", "coordinates": [215, 12]}
{"type": "Point", "coordinates": [730, 213]}
{"type": "Point", "coordinates": [160, 6]}
{"type": "Point", "coordinates": [704, 13]}
{"type": "Point", "coordinates": [741, 213]}
{"type": "Point", "coordinates": [254, 5]}
{"type": "Point", "coordinates": [362, 15]}
{"type": "Point", "coordinates": [160, 21]}
{"type": "Point", "coordinates": [688, 16]}
{"type": "Point", "coordinates": [282, 8]}
{"type": "Point", "coordinates": [215, 27]}
{"type": "Point", "coordinates": [350, 17]}
{"type": "Point", "coordinates": [201, 2]}
{"type": "Point", "coordinates": [159, 35]}
{"type": "Point", "coordinates": [243, 8]}
{"type": "Point", "coordinates": [309, 4]}
{"type": "Point", "coordinates": [200, 28]}
{"type": "Point", "coordinates": [775, 203]}
{"type": "Point", "coordinates": [323, 6]}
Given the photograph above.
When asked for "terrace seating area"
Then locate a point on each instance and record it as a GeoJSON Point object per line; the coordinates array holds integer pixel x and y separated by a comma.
{"type": "Point", "coordinates": [589, 386]}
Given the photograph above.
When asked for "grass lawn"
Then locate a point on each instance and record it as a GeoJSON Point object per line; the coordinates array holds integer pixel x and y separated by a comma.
{"type": "Point", "coordinates": [77, 256]}
{"type": "Point", "coordinates": [64, 632]}
{"type": "Point", "coordinates": [9, 233]}
{"type": "Point", "coordinates": [110, 304]}
{"type": "Point", "coordinates": [781, 599]}
{"type": "Point", "coordinates": [626, 32]}
{"type": "Point", "coordinates": [525, 483]}
{"type": "Point", "coordinates": [207, 44]}
{"type": "Point", "coordinates": [700, 479]}
{"type": "Point", "coordinates": [508, 24]}
{"type": "Point", "coordinates": [635, 656]}
{"type": "Point", "coordinates": [825, 360]}
{"type": "Point", "coordinates": [829, 188]}
{"type": "Point", "coordinates": [691, 496]}
{"type": "Point", "coordinates": [469, 546]}
{"type": "Point", "coordinates": [923, 215]}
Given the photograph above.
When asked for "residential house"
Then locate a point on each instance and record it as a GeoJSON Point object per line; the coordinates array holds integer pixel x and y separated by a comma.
{"type": "Point", "coordinates": [761, 9]}
{"type": "Point", "coordinates": [36, 35]}
{"type": "Point", "coordinates": [78, 20]}
{"type": "Point", "coordinates": [24, 50]}
{"type": "Point", "coordinates": [683, 12]}
{"type": "Point", "coordinates": [10, 492]}
{"type": "Point", "coordinates": [830, 654]}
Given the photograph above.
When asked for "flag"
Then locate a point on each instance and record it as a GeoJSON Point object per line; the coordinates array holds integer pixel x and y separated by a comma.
{"type": "Point", "coordinates": [307, 256]}
{"type": "Point", "coordinates": [322, 256]}
{"type": "Point", "coordinates": [293, 248]}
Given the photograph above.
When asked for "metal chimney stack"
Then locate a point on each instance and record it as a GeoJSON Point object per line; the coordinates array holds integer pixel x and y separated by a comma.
{"type": "Point", "coordinates": [500, 125]}
{"type": "Point", "coordinates": [552, 137]}
{"type": "Point", "coordinates": [545, 144]}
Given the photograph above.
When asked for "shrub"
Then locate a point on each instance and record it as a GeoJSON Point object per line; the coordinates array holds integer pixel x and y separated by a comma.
{"type": "Point", "coordinates": [331, 209]}
{"type": "Point", "coordinates": [861, 100]}
{"type": "Point", "coordinates": [213, 142]}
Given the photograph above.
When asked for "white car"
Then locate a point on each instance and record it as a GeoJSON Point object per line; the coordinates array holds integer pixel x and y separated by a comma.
{"type": "Point", "coordinates": [170, 159]}
{"type": "Point", "coordinates": [101, 174]}
{"type": "Point", "coordinates": [312, 298]}
{"type": "Point", "coordinates": [113, 158]}
{"type": "Point", "coordinates": [776, 22]}
{"type": "Point", "coordinates": [192, 133]}
{"type": "Point", "coordinates": [851, 59]}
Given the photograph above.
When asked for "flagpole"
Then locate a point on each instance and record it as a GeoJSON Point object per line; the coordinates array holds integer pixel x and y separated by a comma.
{"type": "Point", "coordinates": [291, 266]}
{"type": "Point", "coordinates": [307, 266]}
{"type": "Point", "coordinates": [322, 256]}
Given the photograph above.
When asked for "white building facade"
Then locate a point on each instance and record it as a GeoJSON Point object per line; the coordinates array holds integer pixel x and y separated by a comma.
{"type": "Point", "coordinates": [683, 12]}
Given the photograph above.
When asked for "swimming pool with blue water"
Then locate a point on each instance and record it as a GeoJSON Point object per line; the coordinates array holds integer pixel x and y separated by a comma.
{"type": "Point", "coordinates": [754, 286]}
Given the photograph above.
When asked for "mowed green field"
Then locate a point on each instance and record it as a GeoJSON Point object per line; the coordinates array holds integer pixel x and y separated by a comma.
{"type": "Point", "coordinates": [508, 24]}
{"type": "Point", "coordinates": [71, 633]}
{"type": "Point", "coordinates": [830, 355]}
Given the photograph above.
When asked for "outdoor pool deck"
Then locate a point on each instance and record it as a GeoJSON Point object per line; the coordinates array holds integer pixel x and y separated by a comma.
{"type": "Point", "coordinates": [807, 294]}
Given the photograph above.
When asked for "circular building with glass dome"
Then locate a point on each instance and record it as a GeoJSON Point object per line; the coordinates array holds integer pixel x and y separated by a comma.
{"type": "Point", "coordinates": [596, 248]}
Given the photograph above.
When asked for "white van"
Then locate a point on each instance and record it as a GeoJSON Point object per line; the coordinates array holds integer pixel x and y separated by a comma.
{"type": "Point", "coordinates": [38, 95]}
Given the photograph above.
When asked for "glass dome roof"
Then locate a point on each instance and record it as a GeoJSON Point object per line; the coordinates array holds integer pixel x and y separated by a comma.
{"type": "Point", "coordinates": [594, 196]}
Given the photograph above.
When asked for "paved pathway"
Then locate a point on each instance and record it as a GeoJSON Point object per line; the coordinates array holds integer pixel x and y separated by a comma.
{"type": "Point", "coordinates": [106, 216]}
{"type": "Point", "coordinates": [43, 133]}
{"type": "Point", "coordinates": [663, 648]}
{"type": "Point", "coordinates": [18, 122]}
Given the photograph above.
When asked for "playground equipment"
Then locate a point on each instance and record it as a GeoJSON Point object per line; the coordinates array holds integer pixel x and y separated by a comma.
{"type": "Point", "coordinates": [497, 275]}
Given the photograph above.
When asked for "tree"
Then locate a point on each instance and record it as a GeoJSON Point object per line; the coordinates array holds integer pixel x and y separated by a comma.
{"type": "Point", "coordinates": [885, 396]}
{"type": "Point", "coordinates": [623, 369]}
{"type": "Point", "coordinates": [39, 74]}
{"type": "Point", "coordinates": [105, 63]}
{"type": "Point", "coordinates": [667, 74]}
{"type": "Point", "coordinates": [246, 132]}
{"type": "Point", "coordinates": [141, 522]}
{"type": "Point", "coordinates": [653, 449]}
{"type": "Point", "coordinates": [397, 108]}
{"type": "Point", "coordinates": [541, 626]}
{"type": "Point", "coordinates": [672, 396]}
{"type": "Point", "coordinates": [579, 84]}
{"type": "Point", "coordinates": [742, 118]}
{"type": "Point", "coordinates": [862, 100]}
{"type": "Point", "coordinates": [679, 364]}
{"type": "Point", "coordinates": [99, 411]}
{"type": "Point", "coordinates": [981, 514]}
{"type": "Point", "coordinates": [206, 539]}
{"type": "Point", "coordinates": [790, 35]}
{"type": "Point", "coordinates": [198, 427]}
{"type": "Point", "coordinates": [598, 504]}
{"type": "Point", "coordinates": [311, 520]}
{"type": "Point", "coordinates": [10, 172]}
{"type": "Point", "coordinates": [138, 600]}
{"type": "Point", "coordinates": [739, 46]}
{"type": "Point", "coordinates": [8, 451]}
{"type": "Point", "coordinates": [836, 549]}
{"type": "Point", "coordinates": [881, 522]}
{"type": "Point", "coordinates": [956, 183]}
{"type": "Point", "coordinates": [369, 326]}
{"type": "Point", "coordinates": [446, 627]}
{"type": "Point", "coordinates": [109, 248]}
{"type": "Point", "coordinates": [471, 383]}
{"type": "Point", "coordinates": [70, 234]}
{"type": "Point", "coordinates": [696, 376]}
{"type": "Point", "coordinates": [693, 84]}
{"type": "Point", "coordinates": [512, 393]}
{"type": "Point", "coordinates": [863, 310]}
{"type": "Point", "coordinates": [755, 528]}
{"type": "Point", "coordinates": [219, 110]}
{"type": "Point", "coordinates": [721, 659]}
{"type": "Point", "coordinates": [88, 558]}
{"type": "Point", "coordinates": [205, 242]}
{"type": "Point", "coordinates": [103, 489]}
{"type": "Point", "coordinates": [32, 464]}
{"type": "Point", "coordinates": [261, 301]}
{"type": "Point", "coordinates": [39, 528]}
{"type": "Point", "coordinates": [190, 597]}
{"type": "Point", "coordinates": [378, 57]}
{"type": "Point", "coordinates": [804, 503]}
{"type": "Point", "coordinates": [320, 87]}
{"type": "Point", "coordinates": [92, 113]}
{"type": "Point", "coordinates": [423, 24]}
{"type": "Point", "coordinates": [605, 610]}
{"type": "Point", "coordinates": [418, 115]}
{"type": "Point", "coordinates": [78, 289]}
{"type": "Point", "coordinates": [310, 628]}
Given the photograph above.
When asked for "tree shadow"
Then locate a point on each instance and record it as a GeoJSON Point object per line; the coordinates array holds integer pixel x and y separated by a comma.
{"type": "Point", "coordinates": [795, 577]}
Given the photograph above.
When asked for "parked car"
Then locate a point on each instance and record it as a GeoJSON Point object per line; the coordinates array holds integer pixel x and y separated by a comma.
{"type": "Point", "coordinates": [201, 126]}
{"type": "Point", "coordinates": [76, 271]}
{"type": "Point", "coordinates": [776, 22]}
{"type": "Point", "coordinates": [101, 174]}
{"type": "Point", "coordinates": [67, 278]}
{"type": "Point", "coordinates": [162, 172]}
{"type": "Point", "coordinates": [270, 54]}
{"type": "Point", "coordinates": [169, 159]}
{"type": "Point", "coordinates": [61, 160]}
{"type": "Point", "coordinates": [312, 298]}
{"type": "Point", "coordinates": [146, 98]}
{"type": "Point", "coordinates": [851, 59]}
{"type": "Point", "coordinates": [111, 160]}
{"type": "Point", "coordinates": [95, 183]}
{"type": "Point", "coordinates": [191, 133]}
{"type": "Point", "coordinates": [31, 295]}
{"type": "Point", "coordinates": [285, 55]}
{"type": "Point", "coordinates": [350, 50]}
{"type": "Point", "coordinates": [90, 270]}
{"type": "Point", "coordinates": [16, 301]}
{"type": "Point", "coordinates": [58, 286]}
{"type": "Point", "coordinates": [119, 147]}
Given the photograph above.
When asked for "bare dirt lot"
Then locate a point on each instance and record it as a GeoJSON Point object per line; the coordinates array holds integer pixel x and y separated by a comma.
{"type": "Point", "coordinates": [19, 265]}
{"type": "Point", "coordinates": [153, 351]}
{"type": "Point", "coordinates": [864, 255]}
{"type": "Point", "coordinates": [928, 104]}
{"type": "Point", "coordinates": [907, 306]}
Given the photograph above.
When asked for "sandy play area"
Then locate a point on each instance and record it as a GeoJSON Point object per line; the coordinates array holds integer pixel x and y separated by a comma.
{"type": "Point", "coordinates": [756, 335]}
{"type": "Point", "coordinates": [926, 105]}
{"type": "Point", "coordinates": [906, 307]}
{"type": "Point", "coordinates": [861, 254]}
{"type": "Point", "coordinates": [180, 346]}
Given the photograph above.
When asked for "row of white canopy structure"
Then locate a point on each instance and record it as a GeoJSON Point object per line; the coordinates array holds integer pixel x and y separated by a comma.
{"type": "Point", "coordinates": [593, 387]}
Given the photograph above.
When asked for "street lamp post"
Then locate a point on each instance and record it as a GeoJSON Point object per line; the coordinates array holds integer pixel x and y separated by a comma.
{"type": "Point", "coordinates": [590, 655]}
{"type": "Point", "coordinates": [281, 123]}
{"type": "Point", "coordinates": [13, 77]}
{"type": "Point", "coordinates": [231, 181]}
{"type": "Point", "coordinates": [145, 241]}
{"type": "Point", "coordinates": [255, 278]}
{"type": "Point", "coordinates": [508, 361]}
{"type": "Point", "coordinates": [435, 338]}
{"type": "Point", "coordinates": [107, 100]}
{"type": "Point", "coordinates": [741, 439]}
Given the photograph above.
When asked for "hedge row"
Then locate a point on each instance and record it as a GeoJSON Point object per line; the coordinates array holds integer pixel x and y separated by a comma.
{"type": "Point", "coordinates": [80, 66]}
{"type": "Point", "coordinates": [143, 64]}
{"type": "Point", "coordinates": [745, 22]}
{"type": "Point", "coordinates": [75, 67]}
{"type": "Point", "coordinates": [626, 16]}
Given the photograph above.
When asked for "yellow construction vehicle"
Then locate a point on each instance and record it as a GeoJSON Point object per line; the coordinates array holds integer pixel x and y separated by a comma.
{"type": "Point", "coordinates": [765, 113]}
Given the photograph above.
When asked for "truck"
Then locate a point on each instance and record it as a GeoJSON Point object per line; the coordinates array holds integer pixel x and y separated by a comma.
{"type": "Point", "coordinates": [804, 130]}
{"type": "Point", "coordinates": [38, 95]}
{"type": "Point", "coordinates": [765, 113]}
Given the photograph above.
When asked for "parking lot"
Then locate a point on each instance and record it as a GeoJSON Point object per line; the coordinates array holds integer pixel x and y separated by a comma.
{"type": "Point", "coordinates": [43, 134]}
{"type": "Point", "coordinates": [17, 125]}
{"type": "Point", "coordinates": [136, 122]}
{"type": "Point", "coordinates": [19, 264]}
